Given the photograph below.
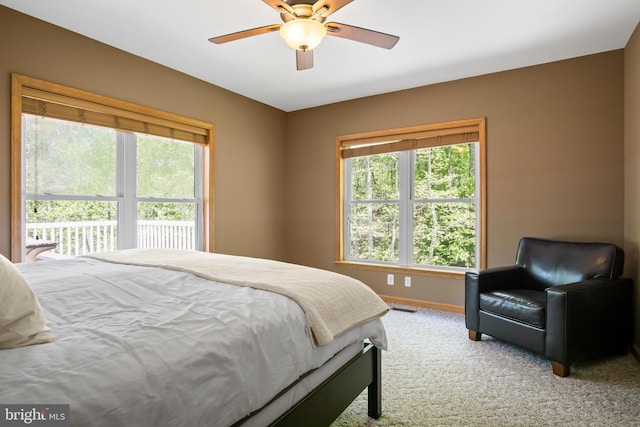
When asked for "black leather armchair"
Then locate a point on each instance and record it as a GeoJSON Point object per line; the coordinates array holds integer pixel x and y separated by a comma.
{"type": "Point", "coordinates": [564, 300]}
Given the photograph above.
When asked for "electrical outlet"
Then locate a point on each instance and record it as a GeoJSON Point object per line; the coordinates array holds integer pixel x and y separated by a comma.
{"type": "Point", "coordinates": [407, 281]}
{"type": "Point", "coordinates": [390, 279]}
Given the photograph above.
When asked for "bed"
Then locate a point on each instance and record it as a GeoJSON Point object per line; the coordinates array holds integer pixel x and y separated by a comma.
{"type": "Point", "coordinates": [177, 338]}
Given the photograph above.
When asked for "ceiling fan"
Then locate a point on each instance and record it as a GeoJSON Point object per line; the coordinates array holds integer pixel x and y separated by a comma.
{"type": "Point", "coordinates": [304, 28]}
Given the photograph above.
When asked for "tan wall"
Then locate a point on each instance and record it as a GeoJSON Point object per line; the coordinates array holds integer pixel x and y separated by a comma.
{"type": "Point", "coordinates": [632, 164]}
{"type": "Point", "coordinates": [249, 136]}
{"type": "Point", "coordinates": [554, 148]}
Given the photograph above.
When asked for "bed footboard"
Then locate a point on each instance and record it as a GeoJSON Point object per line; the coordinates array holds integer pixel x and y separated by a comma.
{"type": "Point", "coordinates": [324, 404]}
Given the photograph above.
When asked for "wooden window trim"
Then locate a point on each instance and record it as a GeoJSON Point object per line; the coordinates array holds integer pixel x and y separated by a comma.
{"type": "Point", "coordinates": [409, 138]}
{"type": "Point", "coordinates": [78, 105]}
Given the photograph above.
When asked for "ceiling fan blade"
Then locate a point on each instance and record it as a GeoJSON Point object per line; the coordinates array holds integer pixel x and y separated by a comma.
{"type": "Point", "coordinates": [281, 7]}
{"type": "Point", "coordinates": [304, 59]}
{"type": "Point", "coordinates": [331, 5]}
{"type": "Point", "coordinates": [243, 34]}
{"type": "Point", "coordinates": [362, 35]}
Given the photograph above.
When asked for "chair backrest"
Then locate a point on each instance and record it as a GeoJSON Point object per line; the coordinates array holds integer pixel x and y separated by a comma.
{"type": "Point", "coordinates": [551, 262]}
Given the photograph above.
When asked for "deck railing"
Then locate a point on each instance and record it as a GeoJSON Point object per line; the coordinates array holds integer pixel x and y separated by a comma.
{"type": "Point", "coordinates": [81, 238]}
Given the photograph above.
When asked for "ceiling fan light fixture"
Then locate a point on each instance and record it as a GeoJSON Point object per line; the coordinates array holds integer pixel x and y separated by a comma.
{"type": "Point", "coordinates": [303, 34]}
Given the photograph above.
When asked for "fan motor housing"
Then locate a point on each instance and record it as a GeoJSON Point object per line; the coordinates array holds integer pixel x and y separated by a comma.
{"type": "Point", "coordinates": [295, 2]}
{"type": "Point", "coordinates": [303, 9]}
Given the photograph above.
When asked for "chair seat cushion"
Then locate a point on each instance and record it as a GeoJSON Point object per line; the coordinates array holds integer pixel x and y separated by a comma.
{"type": "Point", "coordinates": [524, 305]}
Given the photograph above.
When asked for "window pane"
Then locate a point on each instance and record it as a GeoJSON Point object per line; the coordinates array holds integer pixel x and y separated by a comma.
{"type": "Point", "coordinates": [444, 234]}
{"type": "Point", "coordinates": [68, 158]}
{"type": "Point", "coordinates": [375, 177]}
{"type": "Point", "coordinates": [79, 227]}
{"type": "Point", "coordinates": [374, 231]}
{"type": "Point", "coordinates": [166, 225]}
{"type": "Point", "coordinates": [165, 167]}
{"type": "Point", "coordinates": [445, 172]}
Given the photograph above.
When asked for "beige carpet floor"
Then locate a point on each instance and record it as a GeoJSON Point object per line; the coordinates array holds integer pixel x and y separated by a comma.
{"type": "Point", "coordinates": [433, 375]}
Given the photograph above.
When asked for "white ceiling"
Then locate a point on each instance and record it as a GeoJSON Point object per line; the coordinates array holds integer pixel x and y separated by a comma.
{"type": "Point", "coordinates": [440, 40]}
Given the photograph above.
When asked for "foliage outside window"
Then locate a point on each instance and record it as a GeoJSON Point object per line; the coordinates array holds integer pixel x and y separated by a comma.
{"type": "Point", "coordinates": [96, 189]}
{"type": "Point", "coordinates": [413, 197]}
{"type": "Point", "coordinates": [131, 175]}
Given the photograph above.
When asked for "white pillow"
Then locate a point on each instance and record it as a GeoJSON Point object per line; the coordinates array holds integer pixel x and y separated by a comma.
{"type": "Point", "coordinates": [21, 319]}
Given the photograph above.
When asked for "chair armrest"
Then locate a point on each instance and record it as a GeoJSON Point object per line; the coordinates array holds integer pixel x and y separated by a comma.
{"type": "Point", "coordinates": [584, 314]}
{"type": "Point", "coordinates": [488, 279]}
{"type": "Point", "coordinates": [491, 279]}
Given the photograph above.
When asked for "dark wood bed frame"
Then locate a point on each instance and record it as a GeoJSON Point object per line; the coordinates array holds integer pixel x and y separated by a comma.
{"type": "Point", "coordinates": [327, 401]}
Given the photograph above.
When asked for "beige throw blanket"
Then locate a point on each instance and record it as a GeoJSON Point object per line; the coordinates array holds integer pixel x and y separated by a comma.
{"type": "Point", "coordinates": [332, 302]}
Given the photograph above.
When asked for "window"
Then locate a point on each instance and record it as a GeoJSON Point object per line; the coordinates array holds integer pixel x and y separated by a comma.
{"type": "Point", "coordinates": [413, 198]}
{"type": "Point", "coordinates": [93, 189]}
{"type": "Point", "coordinates": [95, 174]}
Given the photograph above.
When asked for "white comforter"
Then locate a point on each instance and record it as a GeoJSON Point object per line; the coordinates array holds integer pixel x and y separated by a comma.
{"type": "Point", "coordinates": [142, 346]}
{"type": "Point", "coordinates": [332, 302]}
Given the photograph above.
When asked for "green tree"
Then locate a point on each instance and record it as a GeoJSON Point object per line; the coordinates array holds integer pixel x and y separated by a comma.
{"type": "Point", "coordinates": [444, 219]}
{"type": "Point", "coordinates": [65, 158]}
{"type": "Point", "coordinates": [444, 232]}
{"type": "Point", "coordinates": [165, 168]}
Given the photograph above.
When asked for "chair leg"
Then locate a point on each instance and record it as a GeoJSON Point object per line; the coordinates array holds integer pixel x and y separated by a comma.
{"type": "Point", "coordinates": [475, 335]}
{"type": "Point", "coordinates": [559, 369]}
